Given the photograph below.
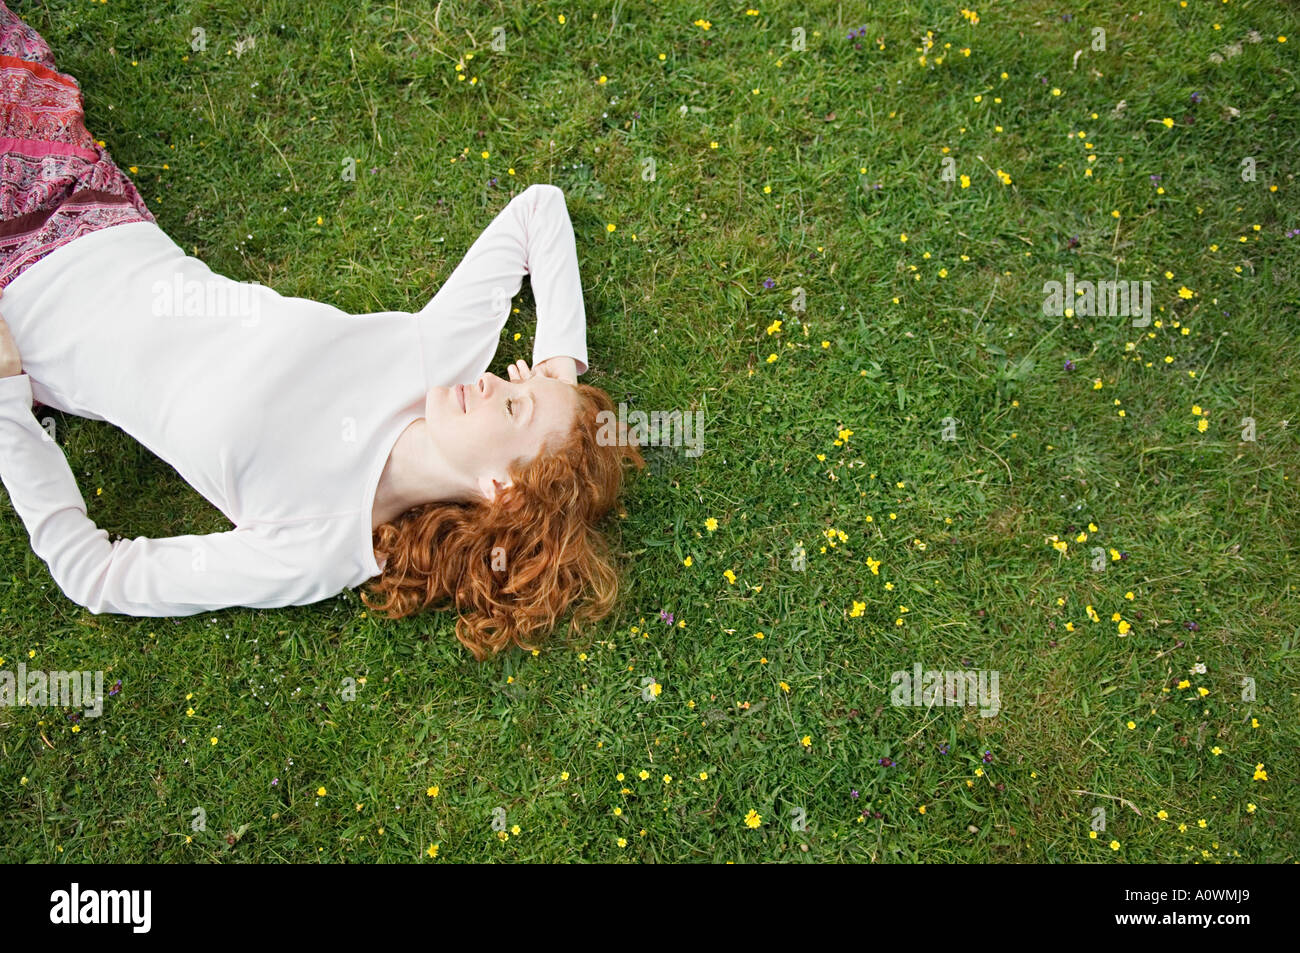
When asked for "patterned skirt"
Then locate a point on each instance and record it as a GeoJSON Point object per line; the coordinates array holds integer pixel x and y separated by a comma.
{"type": "Point", "coordinates": [56, 182]}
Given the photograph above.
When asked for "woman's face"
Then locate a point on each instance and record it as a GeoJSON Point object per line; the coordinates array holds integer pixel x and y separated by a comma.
{"type": "Point", "coordinates": [486, 426]}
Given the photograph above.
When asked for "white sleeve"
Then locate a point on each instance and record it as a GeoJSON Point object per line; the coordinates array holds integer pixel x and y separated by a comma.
{"type": "Point", "coordinates": [532, 236]}
{"type": "Point", "coordinates": [179, 575]}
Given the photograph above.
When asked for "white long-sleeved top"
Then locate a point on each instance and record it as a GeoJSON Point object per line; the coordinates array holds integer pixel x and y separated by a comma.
{"type": "Point", "coordinates": [280, 411]}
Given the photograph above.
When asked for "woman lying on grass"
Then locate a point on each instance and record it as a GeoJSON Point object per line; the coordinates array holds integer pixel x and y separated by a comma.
{"type": "Point", "coordinates": [342, 447]}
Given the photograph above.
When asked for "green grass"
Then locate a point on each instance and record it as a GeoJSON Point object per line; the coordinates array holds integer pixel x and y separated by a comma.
{"type": "Point", "coordinates": [679, 312]}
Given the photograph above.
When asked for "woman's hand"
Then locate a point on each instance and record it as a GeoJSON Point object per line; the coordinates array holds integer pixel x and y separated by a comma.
{"type": "Point", "coordinates": [11, 363]}
{"type": "Point", "coordinates": [561, 368]}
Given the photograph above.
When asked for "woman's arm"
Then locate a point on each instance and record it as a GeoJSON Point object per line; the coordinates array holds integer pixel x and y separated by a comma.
{"type": "Point", "coordinates": [178, 575]}
{"type": "Point", "coordinates": [531, 236]}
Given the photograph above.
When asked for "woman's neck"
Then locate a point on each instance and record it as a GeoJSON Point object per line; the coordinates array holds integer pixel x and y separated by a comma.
{"type": "Point", "coordinates": [415, 474]}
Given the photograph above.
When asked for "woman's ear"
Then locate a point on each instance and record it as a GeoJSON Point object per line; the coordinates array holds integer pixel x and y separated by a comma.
{"type": "Point", "coordinates": [493, 491]}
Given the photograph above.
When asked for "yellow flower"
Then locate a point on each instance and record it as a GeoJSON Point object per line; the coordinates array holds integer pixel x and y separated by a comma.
{"type": "Point", "coordinates": [687, 561]}
{"type": "Point", "coordinates": [433, 791]}
{"type": "Point", "coordinates": [1260, 773]}
{"type": "Point", "coordinates": [1132, 725]}
{"type": "Point", "coordinates": [965, 181]}
{"type": "Point", "coordinates": [432, 851]}
{"type": "Point", "coordinates": [1201, 823]}
{"type": "Point", "coordinates": [1114, 845]}
{"type": "Point", "coordinates": [806, 741]}
{"type": "Point", "coordinates": [643, 775]}
{"type": "Point", "coordinates": [320, 791]}
{"type": "Point", "coordinates": [1185, 292]}
{"type": "Point", "coordinates": [1092, 614]}
{"type": "Point", "coordinates": [753, 818]}
{"type": "Point", "coordinates": [731, 577]}
{"type": "Point", "coordinates": [1169, 123]}
{"type": "Point", "coordinates": [711, 524]}
{"type": "Point", "coordinates": [1092, 835]}
{"type": "Point", "coordinates": [874, 566]}
{"type": "Point", "coordinates": [1202, 425]}
{"type": "Point", "coordinates": [1163, 815]}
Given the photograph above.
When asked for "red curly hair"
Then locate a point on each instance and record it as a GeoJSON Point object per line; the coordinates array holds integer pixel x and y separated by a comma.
{"type": "Point", "coordinates": [512, 568]}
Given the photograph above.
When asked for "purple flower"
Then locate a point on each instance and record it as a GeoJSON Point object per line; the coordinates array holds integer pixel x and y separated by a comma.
{"type": "Point", "coordinates": [116, 688]}
{"type": "Point", "coordinates": [1191, 626]}
{"type": "Point", "coordinates": [768, 283]}
{"type": "Point", "coordinates": [275, 782]}
{"type": "Point", "coordinates": [887, 762]}
{"type": "Point", "coordinates": [943, 748]}
{"type": "Point", "coordinates": [855, 792]}
{"type": "Point", "coordinates": [988, 757]}
{"type": "Point", "coordinates": [1155, 177]}
{"type": "Point", "coordinates": [1196, 97]}
{"type": "Point", "coordinates": [666, 616]}
{"type": "Point", "coordinates": [1069, 365]}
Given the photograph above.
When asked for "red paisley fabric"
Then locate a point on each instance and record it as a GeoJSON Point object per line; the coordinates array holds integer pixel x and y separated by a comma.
{"type": "Point", "coordinates": [56, 183]}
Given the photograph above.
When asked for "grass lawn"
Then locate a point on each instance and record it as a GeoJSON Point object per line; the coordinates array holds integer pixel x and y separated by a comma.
{"type": "Point", "coordinates": [907, 461]}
